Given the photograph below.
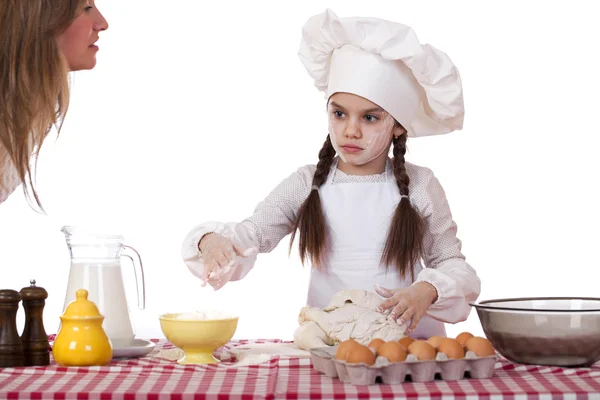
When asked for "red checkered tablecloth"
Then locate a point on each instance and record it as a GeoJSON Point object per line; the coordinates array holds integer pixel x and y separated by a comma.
{"type": "Point", "coordinates": [153, 377]}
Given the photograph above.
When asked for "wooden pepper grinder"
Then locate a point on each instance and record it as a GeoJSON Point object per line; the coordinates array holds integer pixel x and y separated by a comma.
{"type": "Point", "coordinates": [11, 348]}
{"type": "Point", "coordinates": [34, 337]}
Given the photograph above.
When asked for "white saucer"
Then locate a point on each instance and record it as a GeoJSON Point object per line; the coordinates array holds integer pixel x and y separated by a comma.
{"type": "Point", "coordinates": [138, 348]}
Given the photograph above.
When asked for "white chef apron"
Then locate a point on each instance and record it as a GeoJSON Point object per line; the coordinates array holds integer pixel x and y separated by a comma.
{"type": "Point", "coordinates": [359, 216]}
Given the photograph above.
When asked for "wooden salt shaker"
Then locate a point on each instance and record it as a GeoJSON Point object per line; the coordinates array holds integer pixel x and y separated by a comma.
{"type": "Point", "coordinates": [34, 337]}
{"type": "Point", "coordinates": [11, 348]}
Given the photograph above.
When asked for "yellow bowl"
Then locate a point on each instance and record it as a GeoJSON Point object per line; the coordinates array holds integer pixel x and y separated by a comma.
{"type": "Point", "coordinates": [197, 338]}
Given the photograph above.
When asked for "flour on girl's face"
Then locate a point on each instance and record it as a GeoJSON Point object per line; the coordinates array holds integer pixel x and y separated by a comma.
{"type": "Point", "coordinates": [373, 137]}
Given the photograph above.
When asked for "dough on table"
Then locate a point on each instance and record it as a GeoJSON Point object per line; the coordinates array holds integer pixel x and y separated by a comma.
{"type": "Point", "coordinates": [350, 314]}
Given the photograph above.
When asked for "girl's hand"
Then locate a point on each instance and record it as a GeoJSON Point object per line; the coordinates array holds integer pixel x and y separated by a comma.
{"type": "Point", "coordinates": [409, 303]}
{"type": "Point", "coordinates": [218, 254]}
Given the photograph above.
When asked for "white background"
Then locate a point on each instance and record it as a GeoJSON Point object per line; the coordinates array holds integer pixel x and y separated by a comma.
{"type": "Point", "coordinates": [197, 110]}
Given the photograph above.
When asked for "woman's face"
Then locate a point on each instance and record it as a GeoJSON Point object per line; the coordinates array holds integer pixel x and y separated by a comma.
{"type": "Point", "coordinates": [77, 42]}
{"type": "Point", "coordinates": [360, 130]}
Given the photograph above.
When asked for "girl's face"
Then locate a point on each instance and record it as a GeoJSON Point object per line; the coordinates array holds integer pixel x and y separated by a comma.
{"type": "Point", "coordinates": [77, 42]}
{"type": "Point", "coordinates": [361, 132]}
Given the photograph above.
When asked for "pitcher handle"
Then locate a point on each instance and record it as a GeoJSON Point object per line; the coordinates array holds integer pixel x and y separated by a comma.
{"type": "Point", "coordinates": [141, 293]}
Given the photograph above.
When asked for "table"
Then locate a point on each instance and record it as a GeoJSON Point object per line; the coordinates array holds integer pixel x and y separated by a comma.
{"type": "Point", "coordinates": [152, 377]}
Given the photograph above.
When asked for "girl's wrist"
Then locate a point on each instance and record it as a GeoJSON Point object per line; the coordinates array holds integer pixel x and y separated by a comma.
{"type": "Point", "coordinates": [200, 241]}
{"type": "Point", "coordinates": [430, 289]}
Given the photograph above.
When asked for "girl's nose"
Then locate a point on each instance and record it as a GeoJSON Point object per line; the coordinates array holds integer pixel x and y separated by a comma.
{"type": "Point", "coordinates": [352, 129]}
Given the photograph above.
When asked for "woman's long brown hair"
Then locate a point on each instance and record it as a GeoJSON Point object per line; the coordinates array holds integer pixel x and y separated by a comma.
{"type": "Point", "coordinates": [34, 85]}
{"type": "Point", "coordinates": [403, 246]}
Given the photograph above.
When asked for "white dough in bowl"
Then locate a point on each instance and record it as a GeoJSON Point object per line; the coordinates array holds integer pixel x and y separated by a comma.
{"type": "Point", "coordinates": [205, 315]}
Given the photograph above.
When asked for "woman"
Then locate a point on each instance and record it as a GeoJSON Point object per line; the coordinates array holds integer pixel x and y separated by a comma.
{"type": "Point", "coordinates": [41, 42]}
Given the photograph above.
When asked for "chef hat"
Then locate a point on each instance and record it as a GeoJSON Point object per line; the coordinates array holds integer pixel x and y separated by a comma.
{"type": "Point", "coordinates": [384, 62]}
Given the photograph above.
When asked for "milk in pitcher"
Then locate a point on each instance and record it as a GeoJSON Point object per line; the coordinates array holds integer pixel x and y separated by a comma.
{"type": "Point", "coordinates": [96, 267]}
{"type": "Point", "coordinates": [104, 282]}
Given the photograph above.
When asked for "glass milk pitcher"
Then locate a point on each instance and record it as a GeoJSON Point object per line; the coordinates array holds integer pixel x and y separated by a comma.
{"type": "Point", "coordinates": [96, 267]}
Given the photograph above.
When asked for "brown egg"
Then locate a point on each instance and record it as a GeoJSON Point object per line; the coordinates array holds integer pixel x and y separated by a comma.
{"type": "Point", "coordinates": [393, 351]}
{"type": "Point", "coordinates": [463, 337]}
{"type": "Point", "coordinates": [422, 349]}
{"type": "Point", "coordinates": [480, 346]}
{"type": "Point", "coordinates": [406, 341]}
{"type": "Point", "coordinates": [360, 354]}
{"type": "Point", "coordinates": [435, 341]}
{"type": "Point", "coordinates": [452, 348]}
{"type": "Point", "coordinates": [375, 344]}
{"type": "Point", "coordinates": [343, 348]}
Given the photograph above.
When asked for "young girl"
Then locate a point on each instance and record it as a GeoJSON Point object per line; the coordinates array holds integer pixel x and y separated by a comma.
{"type": "Point", "coordinates": [41, 42]}
{"type": "Point", "coordinates": [363, 220]}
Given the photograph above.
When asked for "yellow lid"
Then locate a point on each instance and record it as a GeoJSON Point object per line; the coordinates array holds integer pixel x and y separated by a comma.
{"type": "Point", "coordinates": [81, 307]}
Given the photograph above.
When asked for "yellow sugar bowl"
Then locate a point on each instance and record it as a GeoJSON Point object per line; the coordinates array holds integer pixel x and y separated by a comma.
{"type": "Point", "coordinates": [81, 340]}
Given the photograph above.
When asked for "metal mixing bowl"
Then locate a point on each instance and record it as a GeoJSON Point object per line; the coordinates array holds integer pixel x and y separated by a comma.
{"type": "Point", "coordinates": [561, 331]}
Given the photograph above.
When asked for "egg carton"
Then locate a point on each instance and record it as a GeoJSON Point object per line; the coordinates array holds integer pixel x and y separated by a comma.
{"type": "Point", "coordinates": [323, 359]}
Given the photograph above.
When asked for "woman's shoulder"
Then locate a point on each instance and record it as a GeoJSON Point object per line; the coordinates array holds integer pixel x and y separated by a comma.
{"type": "Point", "coordinates": [9, 176]}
